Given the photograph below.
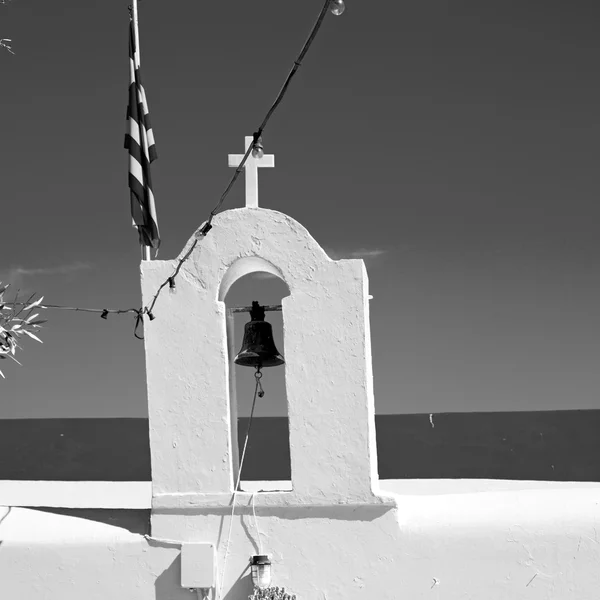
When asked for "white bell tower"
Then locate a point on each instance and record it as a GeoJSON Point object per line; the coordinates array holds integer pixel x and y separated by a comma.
{"type": "Point", "coordinates": [329, 388]}
{"type": "Point", "coordinates": [328, 365]}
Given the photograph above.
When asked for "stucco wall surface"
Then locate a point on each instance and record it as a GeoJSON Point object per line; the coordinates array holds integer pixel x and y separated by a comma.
{"type": "Point", "coordinates": [533, 544]}
{"type": "Point", "coordinates": [329, 384]}
{"type": "Point", "coordinates": [55, 557]}
{"type": "Point", "coordinates": [527, 544]}
{"type": "Point", "coordinates": [335, 535]}
{"type": "Point", "coordinates": [338, 534]}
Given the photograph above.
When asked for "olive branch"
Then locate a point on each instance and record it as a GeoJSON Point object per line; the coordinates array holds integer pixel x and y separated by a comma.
{"type": "Point", "coordinates": [271, 593]}
{"type": "Point", "coordinates": [5, 42]}
{"type": "Point", "coordinates": [17, 321]}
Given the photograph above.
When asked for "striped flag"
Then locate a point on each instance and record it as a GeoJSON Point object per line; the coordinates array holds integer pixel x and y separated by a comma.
{"type": "Point", "coordinates": [139, 141]}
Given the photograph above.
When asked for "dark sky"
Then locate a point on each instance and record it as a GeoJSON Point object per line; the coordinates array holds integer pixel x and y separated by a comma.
{"type": "Point", "coordinates": [454, 145]}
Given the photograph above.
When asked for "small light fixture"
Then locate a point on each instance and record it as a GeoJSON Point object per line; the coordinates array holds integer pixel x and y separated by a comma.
{"type": "Point", "coordinates": [203, 230]}
{"type": "Point", "coordinates": [337, 7]}
{"type": "Point", "coordinates": [260, 566]}
{"type": "Point", "coordinates": [258, 150]}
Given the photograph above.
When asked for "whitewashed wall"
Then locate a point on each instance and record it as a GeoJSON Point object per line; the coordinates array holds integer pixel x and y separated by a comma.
{"type": "Point", "coordinates": [335, 535]}
{"type": "Point", "coordinates": [444, 541]}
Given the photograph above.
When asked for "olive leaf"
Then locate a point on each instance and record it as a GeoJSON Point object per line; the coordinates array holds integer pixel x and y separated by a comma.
{"type": "Point", "coordinates": [17, 321]}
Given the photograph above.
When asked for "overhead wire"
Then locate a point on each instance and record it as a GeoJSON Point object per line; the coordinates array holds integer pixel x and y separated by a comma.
{"type": "Point", "coordinates": [274, 106]}
{"type": "Point", "coordinates": [207, 225]}
{"type": "Point", "coordinates": [104, 312]}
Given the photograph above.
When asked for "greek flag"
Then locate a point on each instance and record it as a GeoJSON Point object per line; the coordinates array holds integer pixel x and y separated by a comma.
{"type": "Point", "coordinates": [139, 141]}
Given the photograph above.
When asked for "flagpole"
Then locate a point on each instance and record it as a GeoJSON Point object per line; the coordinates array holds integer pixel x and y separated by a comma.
{"type": "Point", "coordinates": [136, 37]}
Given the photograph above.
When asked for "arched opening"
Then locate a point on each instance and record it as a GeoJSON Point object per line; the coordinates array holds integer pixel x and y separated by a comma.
{"type": "Point", "coordinates": [267, 457]}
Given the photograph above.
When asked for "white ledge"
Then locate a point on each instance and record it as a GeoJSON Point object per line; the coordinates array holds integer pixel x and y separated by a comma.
{"type": "Point", "coordinates": [138, 494]}
{"type": "Point", "coordinates": [77, 494]}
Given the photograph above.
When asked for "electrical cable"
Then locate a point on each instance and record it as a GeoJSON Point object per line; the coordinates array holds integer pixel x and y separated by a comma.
{"type": "Point", "coordinates": [274, 106]}
{"type": "Point", "coordinates": [256, 525]}
{"type": "Point", "coordinates": [258, 386]}
{"type": "Point", "coordinates": [207, 225]}
{"type": "Point", "coordinates": [201, 594]}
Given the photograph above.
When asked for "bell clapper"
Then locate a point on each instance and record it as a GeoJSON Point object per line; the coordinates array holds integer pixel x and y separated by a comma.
{"type": "Point", "coordinates": [258, 376]}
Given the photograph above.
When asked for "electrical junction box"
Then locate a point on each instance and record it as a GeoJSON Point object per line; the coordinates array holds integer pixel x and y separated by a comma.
{"type": "Point", "coordinates": [198, 565]}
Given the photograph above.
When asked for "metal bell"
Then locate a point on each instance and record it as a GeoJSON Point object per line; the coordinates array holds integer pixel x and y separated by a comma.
{"type": "Point", "coordinates": [258, 347]}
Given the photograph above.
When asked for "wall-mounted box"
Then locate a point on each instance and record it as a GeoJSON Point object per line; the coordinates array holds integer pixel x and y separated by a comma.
{"type": "Point", "coordinates": [198, 565]}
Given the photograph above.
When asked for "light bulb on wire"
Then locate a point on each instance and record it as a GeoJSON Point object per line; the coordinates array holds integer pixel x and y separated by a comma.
{"type": "Point", "coordinates": [257, 149]}
{"type": "Point", "coordinates": [337, 7]}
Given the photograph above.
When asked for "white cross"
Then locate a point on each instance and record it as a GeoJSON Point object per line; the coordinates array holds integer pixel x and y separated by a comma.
{"type": "Point", "coordinates": [251, 168]}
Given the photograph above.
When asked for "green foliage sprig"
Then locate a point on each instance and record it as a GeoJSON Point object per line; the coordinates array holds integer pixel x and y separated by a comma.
{"type": "Point", "coordinates": [5, 42]}
{"type": "Point", "coordinates": [17, 319]}
{"type": "Point", "coordinates": [271, 593]}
